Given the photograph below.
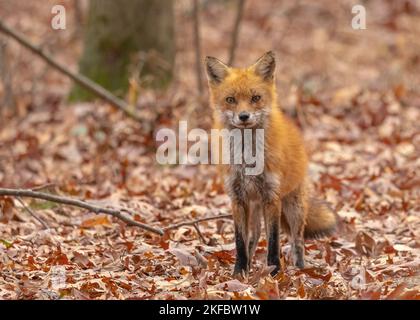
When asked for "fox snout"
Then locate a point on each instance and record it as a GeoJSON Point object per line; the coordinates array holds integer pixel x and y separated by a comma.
{"type": "Point", "coordinates": [244, 116]}
{"type": "Point", "coordinates": [241, 119]}
{"type": "Point", "coordinates": [245, 119]}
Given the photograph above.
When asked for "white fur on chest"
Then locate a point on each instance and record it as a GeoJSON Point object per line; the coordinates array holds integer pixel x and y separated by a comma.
{"type": "Point", "coordinates": [244, 188]}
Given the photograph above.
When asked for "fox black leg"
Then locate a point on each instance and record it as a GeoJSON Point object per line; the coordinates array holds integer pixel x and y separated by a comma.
{"type": "Point", "coordinates": [255, 229]}
{"type": "Point", "coordinates": [242, 259]}
{"type": "Point", "coordinates": [272, 223]}
{"type": "Point", "coordinates": [273, 256]}
{"type": "Point", "coordinates": [240, 216]}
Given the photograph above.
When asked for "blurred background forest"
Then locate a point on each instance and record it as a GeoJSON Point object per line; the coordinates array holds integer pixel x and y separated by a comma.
{"type": "Point", "coordinates": [354, 93]}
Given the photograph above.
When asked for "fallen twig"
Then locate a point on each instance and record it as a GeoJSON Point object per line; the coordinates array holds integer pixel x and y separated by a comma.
{"type": "Point", "coordinates": [78, 203]}
{"type": "Point", "coordinates": [194, 222]}
{"type": "Point", "coordinates": [44, 186]}
{"type": "Point", "coordinates": [32, 213]}
{"type": "Point", "coordinates": [117, 213]}
{"type": "Point", "coordinates": [78, 78]}
{"type": "Point", "coordinates": [200, 234]}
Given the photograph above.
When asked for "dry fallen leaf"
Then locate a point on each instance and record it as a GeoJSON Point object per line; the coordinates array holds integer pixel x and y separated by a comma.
{"type": "Point", "coordinates": [100, 220]}
{"type": "Point", "coordinates": [185, 258]}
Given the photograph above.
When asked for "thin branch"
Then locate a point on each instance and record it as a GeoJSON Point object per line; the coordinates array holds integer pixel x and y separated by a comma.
{"type": "Point", "coordinates": [197, 46]}
{"type": "Point", "coordinates": [78, 78]}
{"type": "Point", "coordinates": [78, 203]}
{"type": "Point", "coordinates": [32, 213]}
{"type": "Point", "coordinates": [234, 40]}
{"type": "Point", "coordinates": [200, 234]}
{"type": "Point", "coordinates": [44, 186]}
{"type": "Point", "coordinates": [193, 222]}
{"type": "Point", "coordinates": [301, 115]}
{"type": "Point", "coordinates": [117, 213]}
{"type": "Point", "coordinates": [78, 16]}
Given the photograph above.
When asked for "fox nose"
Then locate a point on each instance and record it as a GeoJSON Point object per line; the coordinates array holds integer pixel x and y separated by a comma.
{"type": "Point", "coordinates": [244, 116]}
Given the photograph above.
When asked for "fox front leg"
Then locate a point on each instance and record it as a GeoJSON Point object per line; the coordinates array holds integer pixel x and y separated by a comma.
{"type": "Point", "coordinates": [255, 230]}
{"type": "Point", "coordinates": [272, 226]}
{"type": "Point", "coordinates": [295, 209]}
{"type": "Point", "coordinates": [240, 217]}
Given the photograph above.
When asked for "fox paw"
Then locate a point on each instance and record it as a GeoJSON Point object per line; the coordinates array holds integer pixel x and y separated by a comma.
{"type": "Point", "coordinates": [299, 261]}
{"type": "Point", "coordinates": [275, 271]}
{"type": "Point", "coordinates": [240, 273]}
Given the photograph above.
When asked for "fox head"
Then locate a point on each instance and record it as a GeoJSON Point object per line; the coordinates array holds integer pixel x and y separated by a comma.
{"type": "Point", "coordinates": [243, 97]}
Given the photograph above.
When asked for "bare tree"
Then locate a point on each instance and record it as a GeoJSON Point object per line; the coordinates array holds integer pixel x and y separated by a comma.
{"type": "Point", "coordinates": [6, 78]}
{"type": "Point", "coordinates": [117, 31]}
{"type": "Point", "coordinates": [81, 80]}
{"type": "Point", "coordinates": [197, 44]}
{"type": "Point", "coordinates": [235, 33]}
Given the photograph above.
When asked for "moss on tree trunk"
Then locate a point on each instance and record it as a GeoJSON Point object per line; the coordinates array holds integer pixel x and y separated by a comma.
{"type": "Point", "coordinates": [117, 34]}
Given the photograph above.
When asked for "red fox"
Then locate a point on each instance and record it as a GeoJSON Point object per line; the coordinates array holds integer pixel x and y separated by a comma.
{"type": "Point", "coordinates": [246, 98]}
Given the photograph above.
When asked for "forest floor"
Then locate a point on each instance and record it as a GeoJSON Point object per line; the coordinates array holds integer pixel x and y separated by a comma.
{"type": "Point", "coordinates": [354, 97]}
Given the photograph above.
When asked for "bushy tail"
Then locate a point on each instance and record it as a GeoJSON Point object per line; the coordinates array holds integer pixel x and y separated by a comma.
{"type": "Point", "coordinates": [321, 220]}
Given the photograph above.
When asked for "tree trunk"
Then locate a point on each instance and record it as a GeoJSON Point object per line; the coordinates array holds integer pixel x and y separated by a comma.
{"type": "Point", "coordinates": [126, 37]}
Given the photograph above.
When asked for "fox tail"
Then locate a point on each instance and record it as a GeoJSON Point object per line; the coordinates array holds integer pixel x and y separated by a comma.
{"type": "Point", "coordinates": [321, 220]}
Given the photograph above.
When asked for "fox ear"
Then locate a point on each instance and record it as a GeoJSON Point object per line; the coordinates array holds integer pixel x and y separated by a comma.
{"type": "Point", "coordinates": [216, 70]}
{"type": "Point", "coordinates": [265, 66]}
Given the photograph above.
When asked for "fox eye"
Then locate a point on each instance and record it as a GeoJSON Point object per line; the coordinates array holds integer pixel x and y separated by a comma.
{"type": "Point", "coordinates": [255, 98]}
{"type": "Point", "coordinates": [230, 100]}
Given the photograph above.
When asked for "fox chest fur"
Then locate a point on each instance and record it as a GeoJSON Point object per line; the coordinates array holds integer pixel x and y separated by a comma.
{"type": "Point", "coordinates": [243, 188]}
